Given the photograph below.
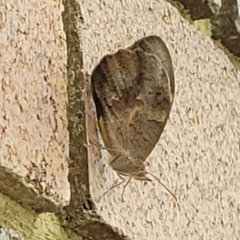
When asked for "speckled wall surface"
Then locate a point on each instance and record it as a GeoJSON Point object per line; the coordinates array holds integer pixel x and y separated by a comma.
{"type": "Point", "coordinates": [33, 125]}
{"type": "Point", "coordinates": [198, 155]}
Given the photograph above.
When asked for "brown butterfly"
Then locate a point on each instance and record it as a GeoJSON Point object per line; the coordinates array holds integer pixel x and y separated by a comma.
{"type": "Point", "coordinates": [133, 91]}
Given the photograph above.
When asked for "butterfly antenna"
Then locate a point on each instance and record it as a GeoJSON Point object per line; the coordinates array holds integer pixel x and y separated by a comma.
{"type": "Point", "coordinates": [164, 186]}
{"type": "Point", "coordinates": [124, 187]}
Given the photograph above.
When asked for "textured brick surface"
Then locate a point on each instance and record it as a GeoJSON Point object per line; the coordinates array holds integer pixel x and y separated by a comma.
{"type": "Point", "coordinates": [198, 154]}
{"type": "Point", "coordinates": [33, 126]}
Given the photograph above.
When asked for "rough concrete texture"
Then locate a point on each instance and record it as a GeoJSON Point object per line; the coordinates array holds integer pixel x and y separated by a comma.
{"type": "Point", "coordinates": [33, 125]}
{"type": "Point", "coordinates": [198, 153]}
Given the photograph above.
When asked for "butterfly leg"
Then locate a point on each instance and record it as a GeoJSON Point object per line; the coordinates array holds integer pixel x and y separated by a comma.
{"type": "Point", "coordinates": [124, 187]}
{"type": "Point", "coordinates": [112, 187]}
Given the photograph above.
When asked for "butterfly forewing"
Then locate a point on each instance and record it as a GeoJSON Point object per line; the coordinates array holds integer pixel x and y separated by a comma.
{"type": "Point", "coordinates": [155, 45]}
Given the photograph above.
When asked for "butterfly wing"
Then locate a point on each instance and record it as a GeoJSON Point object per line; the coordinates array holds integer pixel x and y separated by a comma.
{"type": "Point", "coordinates": [133, 91]}
{"type": "Point", "coordinates": [114, 88]}
{"type": "Point", "coordinates": [156, 92]}
{"type": "Point", "coordinates": [155, 45]}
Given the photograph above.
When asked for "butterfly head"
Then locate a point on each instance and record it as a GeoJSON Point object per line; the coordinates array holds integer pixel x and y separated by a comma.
{"type": "Point", "coordinates": [125, 165]}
